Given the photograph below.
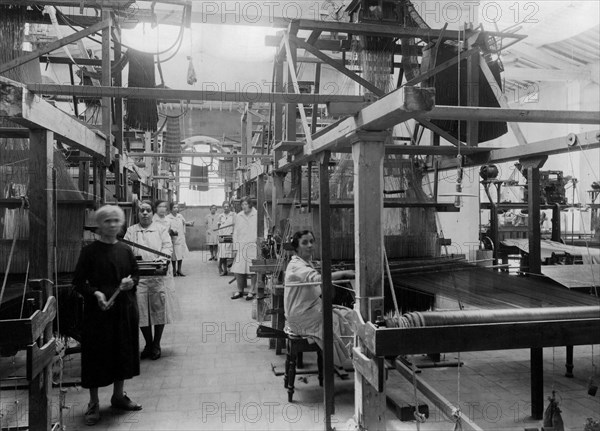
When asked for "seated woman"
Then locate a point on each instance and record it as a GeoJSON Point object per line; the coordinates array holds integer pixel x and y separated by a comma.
{"type": "Point", "coordinates": [302, 304]}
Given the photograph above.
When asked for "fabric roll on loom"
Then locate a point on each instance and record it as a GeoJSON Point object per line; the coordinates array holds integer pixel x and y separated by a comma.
{"type": "Point", "coordinates": [465, 317]}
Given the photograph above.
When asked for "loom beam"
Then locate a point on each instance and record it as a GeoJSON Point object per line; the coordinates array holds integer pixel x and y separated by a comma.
{"type": "Point", "coordinates": [478, 330]}
{"type": "Point", "coordinates": [462, 317]}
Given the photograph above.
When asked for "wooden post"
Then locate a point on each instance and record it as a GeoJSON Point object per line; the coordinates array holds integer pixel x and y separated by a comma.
{"type": "Point", "coordinates": [315, 108]}
{"type": "Point", "coordinates": [107, 82]}
{"type": "Point", "coordinates": [41, 256]}
{"type": "Point", "coordinates": [102, 182]}
{"type": "Point", "coordinates": [84, 179]}
{"type": "Point", "coordinates": [472, 97]}
{"type": "Point", "coordinates": [95, 192]}
{"type": "Point", "coordinates": [537, 382]}
{"type": "Point", "coordinates": [368, 155]}
{"type": "Point", "coordinates": [121, 190]}
{"type": "Point", "coordinates": [535, 237]}
{"type": "Point", "coordinates": [290, 133]}
{"type": "Point", "coordinates": [309, 187]}
{"type": "Point", "coordinates": [260, 277]}
{"type": "Point", "coordinates": [276, 196]}
{"type": "Point", "coordinates": [118, 78]}
{"type": "Point", "coordinates": [278, 123]}
{"type": "Point", "coordinates": [556, 223]}
{"type": "Point", "coordinates": [325, 240]}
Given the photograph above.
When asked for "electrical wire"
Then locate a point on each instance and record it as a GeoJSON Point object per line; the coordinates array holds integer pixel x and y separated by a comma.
{"type": "Point", "coordinates": [71, 23]}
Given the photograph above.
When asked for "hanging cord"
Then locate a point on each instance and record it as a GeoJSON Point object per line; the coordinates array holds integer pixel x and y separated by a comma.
{"type": "Point", "coordinates": [12, 246]}
{"type": "Point", "coordinates": [389, 274]}
{"type": "Point", "coordinates": [419, 417]}
{"type": "Point", "coordinates": [594, 287]}
{"type": "Point", "coordinates": [24, 290]}
{"type": "Point", "coordinates": [72, 23]}
{"type": "Point", "coordinates": [456, 413]}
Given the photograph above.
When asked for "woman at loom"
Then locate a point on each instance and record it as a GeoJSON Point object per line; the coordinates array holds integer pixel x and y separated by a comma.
{"type": "Point", "coordinates": [110, 342]}
{"type": "Point", "coordinates": [158, 304]}
{"type": "Point", "coordinates": [302, 299]}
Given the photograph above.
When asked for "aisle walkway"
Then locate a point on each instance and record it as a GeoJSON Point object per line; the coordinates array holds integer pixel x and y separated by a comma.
{"type": "Point", "coordinates": [215, 374]}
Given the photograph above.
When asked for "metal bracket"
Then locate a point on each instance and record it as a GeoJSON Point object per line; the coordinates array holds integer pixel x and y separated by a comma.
{"type": "Point", "coordinates": [376, 309]}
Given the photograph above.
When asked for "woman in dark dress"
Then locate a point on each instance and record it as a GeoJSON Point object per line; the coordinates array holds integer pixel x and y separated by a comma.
{"type": "Point", "coordinates": [110, 338]}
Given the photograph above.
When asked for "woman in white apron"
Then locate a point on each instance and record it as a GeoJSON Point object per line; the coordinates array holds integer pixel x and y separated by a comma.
{"type": "Point", "coordinates": [157, 302]}
{"type": "Point", "coordinates": [224, 233]}
{"type": "Point", "coordinates": [180, 248]}
{"type": "Point", "coordinates": [211, 223]}
{"type": "Point", "coordinates": [245, 234]}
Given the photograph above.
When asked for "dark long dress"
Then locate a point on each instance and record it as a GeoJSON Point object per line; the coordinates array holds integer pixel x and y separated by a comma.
{"type": "Point", "coordinates": [110, 339]}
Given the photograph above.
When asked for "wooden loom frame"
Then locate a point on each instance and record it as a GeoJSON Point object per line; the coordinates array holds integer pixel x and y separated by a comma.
{"type": "Point", "coordinates": [361, 132]}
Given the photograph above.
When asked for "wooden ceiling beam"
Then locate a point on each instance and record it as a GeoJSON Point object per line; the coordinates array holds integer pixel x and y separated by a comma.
{"type": "Point", "coordinates": [53, 46]}
{"type": "Point", "coordinates": [396, 107]}
{"type": "Point", "coordinates": [572, 143]}
{"type": "Point", "coordinates": [21, 106]}
{"type": "Point", "coordinates": [96, 4]}
{"type": "Point", "coordinates": [165, 94]}
{"type": "Point", "coordinates": [478, 113]}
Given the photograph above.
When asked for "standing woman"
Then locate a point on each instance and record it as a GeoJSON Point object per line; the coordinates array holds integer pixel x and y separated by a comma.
{"type": "Point", "coordinates": [225, 231]}
{"type": "Point", "coordinates": [180, 249]}
{"type": "Point", "coordinates": [158, 304]}
{"type": "Point", "coordinates": [160, 215]}
{"type": "Point", "coordinates": [161, 209]}
{"type": "Point", "coordinates": [110, 340]}
{"type": "Point", "coordinates": [211, 223]}
{"type": "Point", "coordinates": [245, 234]}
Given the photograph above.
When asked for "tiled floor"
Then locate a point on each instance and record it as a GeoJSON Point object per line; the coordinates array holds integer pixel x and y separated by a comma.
{"type": "Point", "coordinates": [216, 375]}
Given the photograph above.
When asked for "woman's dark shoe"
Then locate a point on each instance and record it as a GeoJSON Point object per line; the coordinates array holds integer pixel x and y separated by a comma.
{"type": "Point", "coordinates": [146, 353]}
{"type": "Point", "coordinates": [92, 414]}
{"type": "Point", "coordinates": [180, 274]}
{"type": "Point", "coordinates": [124, 403]}
{"type": "Point", "coordinates": [237, 295]}
{"type": "Point", "coordinates": [250, 297]}
{"type": "Point", "coordinates": [156, 352]}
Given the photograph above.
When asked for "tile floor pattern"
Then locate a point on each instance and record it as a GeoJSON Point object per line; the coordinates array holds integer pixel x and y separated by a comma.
{"type": "Point", "coordinates": [215, 374]}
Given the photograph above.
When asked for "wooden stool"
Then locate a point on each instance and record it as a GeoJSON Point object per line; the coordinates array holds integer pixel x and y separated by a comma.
{"type": "Point", "coordinates": [295, 346]}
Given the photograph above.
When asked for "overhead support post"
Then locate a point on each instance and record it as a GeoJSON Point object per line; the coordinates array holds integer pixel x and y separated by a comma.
{"type": "Point", "coordinates": [121, 186]}
{"type": "Point", "coordinates": [107, 82]}
{"type": "Point", "coordinates": [327, 305]}
{"type": "Point", "coordinates": [532, 167]}
{"type": "Point", "coordinates": [368, 153]}
{"type": "Point", "coordinates": [278, 122]}
{"type": "Point", "coordinates": [501, 98]}
{"type": "Point", "coordinates": [290, 110]}
{"type": "Point", "coordinates": [42, 225]}
{"type": "Point", "coordinates": [472, 96]}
